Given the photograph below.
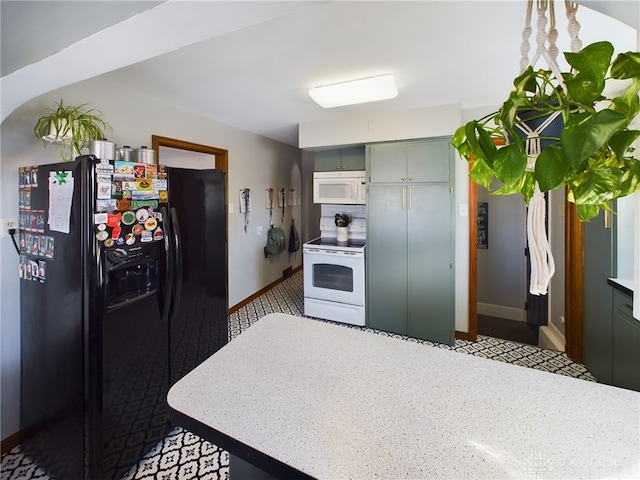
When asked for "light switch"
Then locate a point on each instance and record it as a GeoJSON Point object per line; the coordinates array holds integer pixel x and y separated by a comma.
{"type": "Point", "coordinates": [463, 210]}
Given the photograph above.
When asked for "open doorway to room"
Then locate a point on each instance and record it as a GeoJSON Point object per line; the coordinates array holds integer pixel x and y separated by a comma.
{"type": "Point", "coordinates": [567, 284]}
{"type": "Point", "coordinates": [505, 309]}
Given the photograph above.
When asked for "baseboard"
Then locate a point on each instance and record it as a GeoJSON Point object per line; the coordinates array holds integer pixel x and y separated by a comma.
{"type": "Point", "coordinates": [11, 442]}
{"type": "Point", "coordinates": [500, 311]}
{"type": "Point", "coordinates": [551, 338]}
{"type": "Point", "coordinates": [466, 336]}
{"type": "Point", "coordinates": [250, 299]}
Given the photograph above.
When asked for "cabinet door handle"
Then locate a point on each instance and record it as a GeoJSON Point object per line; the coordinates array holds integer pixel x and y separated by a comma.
{"type": "Point", "coordinates": [403, 203]}
{"type": "Point", "coordinates": [410, 179]}
{"type": "Point", "coordinates": [403, 179]}
{"type": "Point", "coordinates": [410, 198]}
{"type": "Point", "coordinates": [629, 306]}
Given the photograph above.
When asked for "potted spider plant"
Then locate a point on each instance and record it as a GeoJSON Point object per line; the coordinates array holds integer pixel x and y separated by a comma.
{"type": "Point", "coordinates": [70, 128]}
{"type": "Point", "coordinates": [591, 153]}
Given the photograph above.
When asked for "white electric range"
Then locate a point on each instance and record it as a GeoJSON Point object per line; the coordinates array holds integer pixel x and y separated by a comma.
{"type": "Point", "coordinates": [334, 274]}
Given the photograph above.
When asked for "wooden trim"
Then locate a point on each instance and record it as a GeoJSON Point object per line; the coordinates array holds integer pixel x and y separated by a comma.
{"type": "Point", "coordinates": [251, 298]}
{"type": "Point", "coordinates": [573, 285]}
{"type": "Point", "coordinates": [473, 261]}
{"type": "Point", "coordinates": [11, 442]}
{"type": "Point", "coordinates": [221, 155]}
{"type": "Point", "coordinates": [466, 336]}
{"type": "Point", "coordinates": [157, 141]}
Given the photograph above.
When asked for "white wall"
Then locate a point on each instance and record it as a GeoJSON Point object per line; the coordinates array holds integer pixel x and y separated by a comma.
{"type": "Point", "coordinates": [254, 162]}
{"type": "Point", "coordinates": [556, 221]}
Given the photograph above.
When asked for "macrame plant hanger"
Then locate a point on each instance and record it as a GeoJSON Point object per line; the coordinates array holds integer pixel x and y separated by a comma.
{"type": "Point", "coordinates": [540, 255]}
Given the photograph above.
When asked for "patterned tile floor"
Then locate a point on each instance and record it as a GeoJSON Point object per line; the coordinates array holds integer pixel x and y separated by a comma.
{"type": "Point", "coordinates": [184, 456]}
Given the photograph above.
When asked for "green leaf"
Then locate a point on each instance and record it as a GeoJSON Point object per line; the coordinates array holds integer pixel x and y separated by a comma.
{"type": "Point", "coordinates": [524, 186]}
{"type": "Point", "coordinates": [474, 146]}
{"type": "Point", "coordinates": [459, 137]}
{"type": "Point", "coordinates": [509, 164]}
{"type": "Point", "coordinates": [592, 64]}
{"type": "Point", "coordinates": [587, 212]}
{"type": "Point", "coordinates": [586, 133]}
{"type": "Point", "coordinates": [486, 144]}
{"type": "Point", "coordinates": [630, 181]}
{"type": "Point", "coordinates": [594, 187]}
{"type": "Point", "coordinates": [593, 59]}
{"type": "Point", "coordinates": [481, 173]}
{"type": "Point", "coordinates": [508, 189]}
{"type": "Point", "coordinates": [621, 141]}
{"type": "Point", "coordinates": [551, 168]}
{"type": "Point", "coordinates": [626, 65]}
{"type": "Point", "coordinates": [528, 186]}
{"type": "Point", "coordinates": [585, 88]}
{"type": "Point", "coordinates": [628, 103]}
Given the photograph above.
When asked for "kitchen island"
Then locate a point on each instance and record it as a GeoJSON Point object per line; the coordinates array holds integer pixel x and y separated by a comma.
{"type": "Point", "coordinates": [300, 398]}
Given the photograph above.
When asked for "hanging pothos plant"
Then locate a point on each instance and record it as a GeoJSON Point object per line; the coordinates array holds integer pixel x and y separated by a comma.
{"type": "Point", "coordinates": [593, 153]}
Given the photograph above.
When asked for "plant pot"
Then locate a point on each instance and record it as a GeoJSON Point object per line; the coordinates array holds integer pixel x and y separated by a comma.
{"type": "Point", "coordinates": [532, 119]}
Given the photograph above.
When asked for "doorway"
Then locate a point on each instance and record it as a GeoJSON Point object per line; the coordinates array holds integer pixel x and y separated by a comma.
{"type": "Point", "coordinates": [573, 275]}
{"type": "Point", "coordinates": [503, 269]}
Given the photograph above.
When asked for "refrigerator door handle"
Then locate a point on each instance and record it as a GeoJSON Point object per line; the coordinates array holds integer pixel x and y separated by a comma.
{"type": "Point", "coordinates": [177, 277]}
{"type": "Point", "coordinates": [169, 270]}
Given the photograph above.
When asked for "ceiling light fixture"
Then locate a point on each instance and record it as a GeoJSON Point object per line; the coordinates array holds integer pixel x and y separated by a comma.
{"type": "Point", "coordinates": [364, 90]}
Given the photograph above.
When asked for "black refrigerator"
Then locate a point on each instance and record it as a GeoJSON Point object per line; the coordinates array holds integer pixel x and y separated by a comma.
{"type": "Point", "coordinates": [123, 290]}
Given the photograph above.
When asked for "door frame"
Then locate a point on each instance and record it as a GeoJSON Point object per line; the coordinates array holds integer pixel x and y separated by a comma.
{"type": "Point", "coordinates": [573, 284]}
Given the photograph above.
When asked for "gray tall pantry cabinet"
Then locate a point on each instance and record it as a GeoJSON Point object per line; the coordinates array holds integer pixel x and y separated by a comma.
{"type": "Point", "coordinates": [410, 239]}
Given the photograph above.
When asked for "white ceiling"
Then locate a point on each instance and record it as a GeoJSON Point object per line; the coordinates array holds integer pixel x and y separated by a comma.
{"type": "Point", "coordinates": [250, 64]}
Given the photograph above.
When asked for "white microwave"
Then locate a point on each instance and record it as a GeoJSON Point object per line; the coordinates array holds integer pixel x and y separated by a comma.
{"type": "Point", "coordinates": [348, 187]}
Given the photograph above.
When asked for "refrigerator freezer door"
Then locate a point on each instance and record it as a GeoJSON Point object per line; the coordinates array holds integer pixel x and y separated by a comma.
{"type": "Point", "coordinates": [52, 323]}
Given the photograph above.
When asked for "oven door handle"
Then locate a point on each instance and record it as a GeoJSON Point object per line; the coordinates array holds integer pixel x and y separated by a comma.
{"type": "Point", "coordinates": [334, 253]}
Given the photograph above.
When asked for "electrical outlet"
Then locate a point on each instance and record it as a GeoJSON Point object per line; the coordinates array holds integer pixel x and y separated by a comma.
{"type": "Point", "coordinates": [8, 224]}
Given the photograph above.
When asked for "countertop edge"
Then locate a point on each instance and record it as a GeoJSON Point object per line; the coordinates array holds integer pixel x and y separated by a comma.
{"type": "Point", "coordinates": [622, 285]}
{"type": "Point", "coordinates": [234, 447]}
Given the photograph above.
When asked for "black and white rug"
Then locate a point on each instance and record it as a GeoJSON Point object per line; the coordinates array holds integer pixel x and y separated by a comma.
{"type": "Point", "coordinates": [184, 456]}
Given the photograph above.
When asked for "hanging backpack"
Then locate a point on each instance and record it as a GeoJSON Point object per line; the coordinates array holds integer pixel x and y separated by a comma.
{"type": "Point", "coordinates": [276, 242]}
{"type": "Point", "coordinates": [294, 238]}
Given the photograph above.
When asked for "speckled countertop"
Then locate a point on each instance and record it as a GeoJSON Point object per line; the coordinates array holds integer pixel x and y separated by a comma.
{"type": "Point", "coordinates": [336, 402]}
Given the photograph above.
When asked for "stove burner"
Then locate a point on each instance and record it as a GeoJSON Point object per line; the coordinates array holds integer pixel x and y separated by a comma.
{"type": "Point", "coordinates": [332, 242]}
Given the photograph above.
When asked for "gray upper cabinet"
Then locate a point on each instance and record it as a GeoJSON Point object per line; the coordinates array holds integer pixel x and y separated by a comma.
{"type": "Point", "coordinates": [423, 161]}
{"type": "Point", "coordinates": [340, 160]}
{"type": "Point", "coordinates": [410, 239]}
